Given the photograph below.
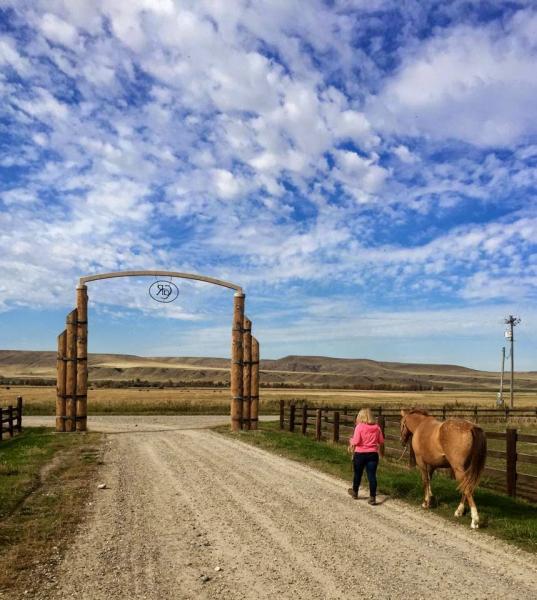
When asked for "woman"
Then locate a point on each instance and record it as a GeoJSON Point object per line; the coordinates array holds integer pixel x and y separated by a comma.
{"type": "Point", "coordinates": [366, 444]}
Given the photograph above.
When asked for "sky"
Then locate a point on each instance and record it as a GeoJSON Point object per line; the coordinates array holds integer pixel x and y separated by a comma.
{"type": "Point", "coordinates": [365, 170]}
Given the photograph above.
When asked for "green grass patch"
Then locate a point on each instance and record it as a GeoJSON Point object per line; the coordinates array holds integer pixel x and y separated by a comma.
{"type": "Point", "coordinates": [45, 479]}
{"type": "Point", "coordinates": [512, 520]}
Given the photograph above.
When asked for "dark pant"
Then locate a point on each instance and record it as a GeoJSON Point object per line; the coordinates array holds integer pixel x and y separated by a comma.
{"type": "Point", "coordinates": [369, 461]}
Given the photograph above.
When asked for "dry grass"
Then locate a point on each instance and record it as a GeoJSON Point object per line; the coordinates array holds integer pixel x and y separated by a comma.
{"type": "Point", "coordinates": [41, 400]}
{"type": "Point", "coordinates": [45, 481]}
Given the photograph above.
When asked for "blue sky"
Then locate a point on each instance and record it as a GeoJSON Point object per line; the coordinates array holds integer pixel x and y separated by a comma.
{"type": "Point", "coordinates": [365, 170]}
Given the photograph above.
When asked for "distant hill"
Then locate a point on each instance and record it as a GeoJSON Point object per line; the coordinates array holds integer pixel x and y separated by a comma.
{"type": "Point", "coordinates": [289, 371]}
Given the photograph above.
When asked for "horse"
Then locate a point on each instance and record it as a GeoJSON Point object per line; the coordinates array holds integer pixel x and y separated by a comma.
{"type": "Point", "coordinates": [455, 443]}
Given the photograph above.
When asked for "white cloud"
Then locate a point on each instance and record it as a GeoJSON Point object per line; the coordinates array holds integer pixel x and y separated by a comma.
{"type": "Point", "coordinates": [476, 84]}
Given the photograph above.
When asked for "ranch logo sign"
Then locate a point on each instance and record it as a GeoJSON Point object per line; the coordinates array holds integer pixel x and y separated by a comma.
{"type": "Point", "coordinates": [163, 291]}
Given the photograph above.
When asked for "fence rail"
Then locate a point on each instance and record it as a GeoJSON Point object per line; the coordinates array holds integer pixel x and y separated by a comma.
{"type": "Point", "coordinates": [509, 451]}
{"type": "Point", "coordinates": [11, 419]}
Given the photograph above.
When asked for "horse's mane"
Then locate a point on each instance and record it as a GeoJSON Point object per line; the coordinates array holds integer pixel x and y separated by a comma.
{"type": "Point", "coordinates": [418, 411]}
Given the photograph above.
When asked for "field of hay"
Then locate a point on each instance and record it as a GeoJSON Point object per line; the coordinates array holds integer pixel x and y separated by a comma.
{"type": "Point", "coordinates": [41, 400]}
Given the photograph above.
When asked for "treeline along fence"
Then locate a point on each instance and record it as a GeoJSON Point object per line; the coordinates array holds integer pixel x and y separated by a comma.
{"type": "Point", "coordinates": [11, 419]}
{"type": "Point", "coordinates": [511, 454]}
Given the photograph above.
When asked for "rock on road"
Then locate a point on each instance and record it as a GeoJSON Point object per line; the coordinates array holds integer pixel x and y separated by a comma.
{"type": "Point", "coordinates": [181, 503]}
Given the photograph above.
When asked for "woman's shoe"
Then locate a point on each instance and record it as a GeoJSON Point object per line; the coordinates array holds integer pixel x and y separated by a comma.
{"type": "Point", "coordinates": [372, 500]}
{"type": "Point", "coordinates": [352, 493]}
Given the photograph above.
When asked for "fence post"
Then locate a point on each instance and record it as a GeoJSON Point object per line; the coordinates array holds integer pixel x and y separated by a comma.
{"type": "Point", "coordinates": [282, 414]}
{"type": "Point", "coordinates": [1, 423]}
{"type": "Point", "coordinates": [511, 457]}
{"type": "Point", "coordinates": [10, 421]}
{"type": "Point", "coordinates": [335, 436]}
{"type": "Point", "coordinates": [476, 414]}
{"type": "Point", "coordinates": [292, 409]}
{"type": "Point", "coordinates": [444, 412]}
{"type": "Point", "coordinates": [382, 423]}
{"type": "Point", "coordinates": [318, 424]}
{"type": "Point", "coordinates": [19, 414]}
{"type": "Point", "coordinates": [411, 455]}
{"type": "Point", "coordinates": [304, 418]}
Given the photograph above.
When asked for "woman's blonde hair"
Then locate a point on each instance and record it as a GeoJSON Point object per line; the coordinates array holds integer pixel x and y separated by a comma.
{"type": "Point", "coordinates": [365, 416]}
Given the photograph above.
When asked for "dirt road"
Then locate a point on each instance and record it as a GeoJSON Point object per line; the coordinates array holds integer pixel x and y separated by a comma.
{"type": "Point", "coordinates": [192, 514]}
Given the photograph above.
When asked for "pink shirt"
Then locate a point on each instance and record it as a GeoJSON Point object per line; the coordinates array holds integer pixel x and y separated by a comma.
{"type": "Point", "coordinates": [366, 438]}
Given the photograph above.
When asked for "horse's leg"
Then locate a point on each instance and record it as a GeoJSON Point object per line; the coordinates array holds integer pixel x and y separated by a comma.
{"type": "Point", "coordinates": [425, 479]}
{"type": "Point", "coordinates": [473, 508]}
{"type": "Point", "coordinates": [462, 505]}
{"type": "Point", "coordinates": [459, 474]}
{"type": "Point", "coordinates": [430, 472]}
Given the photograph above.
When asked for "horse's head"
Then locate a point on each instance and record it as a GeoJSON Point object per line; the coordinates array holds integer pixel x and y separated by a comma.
{"type": "Point", "coordinates": [415, 415]}
{"type": "Point", "coordinates": [405, 431]}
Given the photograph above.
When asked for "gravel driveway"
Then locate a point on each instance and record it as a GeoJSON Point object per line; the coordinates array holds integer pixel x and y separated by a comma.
{"type": "Point", "coordinates": [189, 513]}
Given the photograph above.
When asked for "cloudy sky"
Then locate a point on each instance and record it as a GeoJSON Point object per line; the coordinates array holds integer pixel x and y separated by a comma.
{"type": "Point", "coordinates": [364, 169]}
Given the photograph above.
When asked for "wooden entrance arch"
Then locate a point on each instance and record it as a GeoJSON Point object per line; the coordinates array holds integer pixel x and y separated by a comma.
{"type": "Point", "coordinates": [72, 362]}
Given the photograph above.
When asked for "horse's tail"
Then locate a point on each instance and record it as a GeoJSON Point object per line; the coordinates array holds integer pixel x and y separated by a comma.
{"type": "Point", "coordinates": [475, 462]}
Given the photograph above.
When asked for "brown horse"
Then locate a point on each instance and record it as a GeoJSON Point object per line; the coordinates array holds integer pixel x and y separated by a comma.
{"type": "Point", "coordinates": [454, 443]}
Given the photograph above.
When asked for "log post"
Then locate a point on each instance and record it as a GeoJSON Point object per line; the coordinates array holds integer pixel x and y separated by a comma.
{"type": "Point", "coordinates": [511, 459]}
{"type": "Point", "coordinates": [1, 423]}
{"type": "Point", "coordinates": [19, 414]}
{"type": "Point", "coordinates": [335, 435]}
{"type": "Point", "coordinates": [282, 414]}
{"type": "Point", "coordinates": [60, 381]}
{"type": "Point", "coordinates": [254, 390]}
{"type": "Point", "coordinates": [318, 424]}
{"type": "Point", "coordinates": [304, 426]}
{"type": "Point", "coordinates": [236, 362]}
{"type": "Point", "coordinates": [82, 358]}
{"type": "Point", "coordinates": [70, 372]}
{"type": "Point", "coordinates": [246, 373]}
{"type": "Point", "coordinates": [292, 409]}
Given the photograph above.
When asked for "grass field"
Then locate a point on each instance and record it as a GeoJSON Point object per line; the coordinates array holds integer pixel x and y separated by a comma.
{"type": "Point", "coordinates": [503, 517]}
{"type": "Point", "coordinates": [41, 400]}
{"type": "Point", "coordinates": [42, 500]}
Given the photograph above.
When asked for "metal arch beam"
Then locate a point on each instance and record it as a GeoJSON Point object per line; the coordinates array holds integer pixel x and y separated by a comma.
{"type": "Point", "coordinates": [220, 282]}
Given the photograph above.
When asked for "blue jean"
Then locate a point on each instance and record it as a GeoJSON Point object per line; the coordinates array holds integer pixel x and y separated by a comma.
{"type": "Point", "coordinates": [369, 461]}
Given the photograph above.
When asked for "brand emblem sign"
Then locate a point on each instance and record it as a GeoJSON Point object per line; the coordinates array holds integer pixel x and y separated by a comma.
{"type": "Point", "coordinates": [163, 291]}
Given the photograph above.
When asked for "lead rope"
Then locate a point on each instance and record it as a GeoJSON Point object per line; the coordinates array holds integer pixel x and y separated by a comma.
{"type": "Point", "coordinates": [403, 452]}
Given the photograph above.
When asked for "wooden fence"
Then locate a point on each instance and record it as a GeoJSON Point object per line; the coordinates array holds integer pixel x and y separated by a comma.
{"type": "Point", "coordinates": [11, 419]}
{"type": "Point", "coordinates": [510, 454]}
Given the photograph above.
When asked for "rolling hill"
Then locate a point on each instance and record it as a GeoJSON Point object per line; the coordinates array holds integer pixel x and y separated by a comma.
{"type": "Point", "coordinates": [289, 371]}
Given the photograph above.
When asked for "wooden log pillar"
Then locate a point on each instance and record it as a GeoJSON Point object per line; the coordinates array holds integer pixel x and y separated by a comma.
{"type": "Point", "coordinates": [246, 373]}
{"type": "Point", "coordinates": [304, 425]}
{"type": "Point", "coordinates": [511, 459]}
{"type": "Point", "coordinates": [19, 414]}
{"type": "Point", "coordinates": [60, 381]}
{"type": "Point", "coordinates": [236, 362]}
{"type": "Point", "coordinates": [335, 433]}
{"type": "Point", "coordinates": [254, 390]}
{"type": "Point", "coordinates": [282, 414]}
{"type": "Point", "coordinates": [70, 371]}
{"type": "Point", "coordinates": [82, 358]}
{"type": "Point", "coordinates": [292, 409]}
{"type": "Point", "coordinates": [318, 424]}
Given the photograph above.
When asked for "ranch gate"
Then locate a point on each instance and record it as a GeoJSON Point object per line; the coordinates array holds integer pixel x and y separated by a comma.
{"type": "Point", "coordinates": [72, 361]}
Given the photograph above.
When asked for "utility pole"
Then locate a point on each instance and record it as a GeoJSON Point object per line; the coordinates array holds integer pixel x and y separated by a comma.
{"type": "Point", "coordinates": [512, 322]}
{"type": "Point", "coordinates": [500, 394]}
